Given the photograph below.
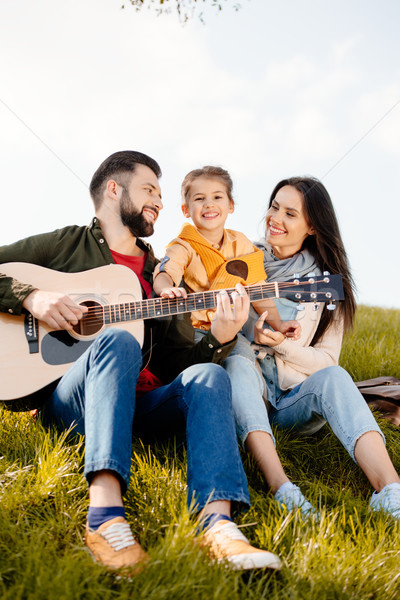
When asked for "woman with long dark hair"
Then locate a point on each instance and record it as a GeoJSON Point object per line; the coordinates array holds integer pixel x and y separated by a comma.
{"type": "Point", "coordinates": [301, 379]}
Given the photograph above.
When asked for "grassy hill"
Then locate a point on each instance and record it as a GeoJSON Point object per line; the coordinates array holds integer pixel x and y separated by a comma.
{"type": "Point", "coordinates": [350, 554]}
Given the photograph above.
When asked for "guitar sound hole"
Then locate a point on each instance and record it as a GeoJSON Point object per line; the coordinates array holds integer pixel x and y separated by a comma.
{"type": "Point", "coordinates": [92, 321]}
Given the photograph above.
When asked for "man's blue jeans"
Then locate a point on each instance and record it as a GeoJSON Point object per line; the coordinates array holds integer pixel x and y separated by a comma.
{"type": "Point", "coordinates": [97, 395]}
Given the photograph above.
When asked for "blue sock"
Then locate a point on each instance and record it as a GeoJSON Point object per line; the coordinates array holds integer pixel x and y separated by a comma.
{"type": "Point", "coordinates": [210, 520]}
{"type": "Point", "coordinates": [98, 515]}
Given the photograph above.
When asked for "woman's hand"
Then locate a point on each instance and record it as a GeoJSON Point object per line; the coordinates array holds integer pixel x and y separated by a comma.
{"type": "Point", "coordinates": [265, 336]}
{"type": "Point", "coordinates": [290, 329]}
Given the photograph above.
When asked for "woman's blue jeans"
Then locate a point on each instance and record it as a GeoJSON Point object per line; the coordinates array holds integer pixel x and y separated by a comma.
{"type": "Point", "coordinates": [329, 395]}
{"type": "Point", "coordinates": [97, 396]}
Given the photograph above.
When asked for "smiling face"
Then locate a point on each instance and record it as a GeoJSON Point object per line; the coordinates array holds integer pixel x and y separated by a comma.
{"type": "Point", "coordinates": [140, 202]}
{"type": "Point", "coordinates": [208, 205]}
{"type": "Point", "coordinates": [286, 223]}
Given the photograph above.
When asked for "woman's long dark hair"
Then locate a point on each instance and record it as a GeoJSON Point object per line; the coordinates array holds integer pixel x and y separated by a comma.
{"type": "Point", "coordinates": [325, 245]}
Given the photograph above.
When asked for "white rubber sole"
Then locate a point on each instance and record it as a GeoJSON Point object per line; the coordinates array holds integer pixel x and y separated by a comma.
{"type": "Point", "coordinates": [255, 560]}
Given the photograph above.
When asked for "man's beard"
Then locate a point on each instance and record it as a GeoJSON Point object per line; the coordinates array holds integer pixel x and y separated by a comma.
{"type": "Point", "coordinates": [134, 219]}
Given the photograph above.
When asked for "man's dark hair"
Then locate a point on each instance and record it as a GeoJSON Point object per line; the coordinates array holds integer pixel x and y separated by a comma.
{"type": "Point", "coordinates": [119, 163]}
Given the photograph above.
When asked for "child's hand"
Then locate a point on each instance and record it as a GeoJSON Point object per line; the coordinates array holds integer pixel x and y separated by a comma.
{"type": "Point", "coordinates": [290, 329]}
{"type": "Point", "coordinates": [173, 292]}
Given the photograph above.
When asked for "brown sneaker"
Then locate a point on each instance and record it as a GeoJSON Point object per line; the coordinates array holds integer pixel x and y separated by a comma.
{"type": "Point", "coordinates": [227, 543]}
{"type": "Point", "coordinates": [113, 545]}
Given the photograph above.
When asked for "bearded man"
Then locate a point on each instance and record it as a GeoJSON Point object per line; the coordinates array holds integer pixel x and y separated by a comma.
{"type": "Point", "coordinates": [116, 389]}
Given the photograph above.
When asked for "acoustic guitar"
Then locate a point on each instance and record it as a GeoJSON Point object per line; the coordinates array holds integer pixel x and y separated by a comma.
{"type": "Point", "coordinates": [32, 355]}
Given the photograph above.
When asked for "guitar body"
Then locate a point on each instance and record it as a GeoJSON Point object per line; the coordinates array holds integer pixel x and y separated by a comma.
{"type": "Point", "coordinates": [32, 355]}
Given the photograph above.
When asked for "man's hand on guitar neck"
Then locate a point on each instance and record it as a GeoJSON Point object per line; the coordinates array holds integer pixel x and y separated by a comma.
{"type": "Point", "coordinates": [55, 309]}
{"type": "Point", "coordinates": [231, 314]}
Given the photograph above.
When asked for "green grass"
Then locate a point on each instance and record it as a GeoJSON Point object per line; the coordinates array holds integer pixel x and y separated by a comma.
{"type": "Point", "coordinates": [373, 348]}
{"type": "Point", "coordinates": [350, 554]}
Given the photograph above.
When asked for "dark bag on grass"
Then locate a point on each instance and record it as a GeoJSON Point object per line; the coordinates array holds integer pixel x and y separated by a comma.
{"type": "Point", "coordinates": [383, 394]}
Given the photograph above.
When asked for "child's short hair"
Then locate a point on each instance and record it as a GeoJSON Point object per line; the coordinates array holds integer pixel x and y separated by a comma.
{"type": "Point", "coordinates": [209, 172]}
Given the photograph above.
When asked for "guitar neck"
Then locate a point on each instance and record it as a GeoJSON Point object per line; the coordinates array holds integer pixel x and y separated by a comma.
{"type": "Point", "coordinates": [306, 290]}
{"type": "Point", "coordinates": [164, 307]}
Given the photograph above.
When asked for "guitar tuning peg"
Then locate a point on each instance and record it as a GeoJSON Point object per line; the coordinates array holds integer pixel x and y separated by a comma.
{"type": "Point", "coordinates": [300, 307]}
{"type": "Point", "coordinates": [296, 276]}
{"type": "Point", "coordinates": [312, 274]}
{"type": "Point", "coordinates": [315, 307]}
{"type": "Point", "coordinates": [326, 273]}
{"type": "Point", "coordinates": [331, 306]}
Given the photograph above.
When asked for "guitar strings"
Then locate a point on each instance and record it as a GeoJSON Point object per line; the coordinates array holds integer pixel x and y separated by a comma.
{"type": "Point", "coordinates": [154, 305]}
{"type": "Point", "coordinates": [165, 303]}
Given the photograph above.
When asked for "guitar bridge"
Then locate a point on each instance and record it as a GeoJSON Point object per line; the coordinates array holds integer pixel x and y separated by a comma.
{"type": "Point", "coordinates": [31, 327]}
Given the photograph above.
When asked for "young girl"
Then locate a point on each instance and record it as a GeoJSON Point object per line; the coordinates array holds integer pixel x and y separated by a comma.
{"type": "Point", "coordinates": [306, 387]}
{"type": "Point", "coordinates": [205, 254]}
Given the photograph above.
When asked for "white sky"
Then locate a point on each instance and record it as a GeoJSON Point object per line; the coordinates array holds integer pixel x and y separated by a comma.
{"type": "Point", "coordinates": [273, 90]}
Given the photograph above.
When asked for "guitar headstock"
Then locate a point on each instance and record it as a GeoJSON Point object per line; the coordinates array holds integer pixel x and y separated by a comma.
{"type": "Point", "coordinates": [314, 288]}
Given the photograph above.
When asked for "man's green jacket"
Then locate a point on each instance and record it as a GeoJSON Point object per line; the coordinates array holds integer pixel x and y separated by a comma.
{"type": "Point", "coordinates": [169, 341]}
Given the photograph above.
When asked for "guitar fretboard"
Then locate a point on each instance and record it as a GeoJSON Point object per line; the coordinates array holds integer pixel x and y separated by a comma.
{"type": "Point", "coordinates": [161, 307]}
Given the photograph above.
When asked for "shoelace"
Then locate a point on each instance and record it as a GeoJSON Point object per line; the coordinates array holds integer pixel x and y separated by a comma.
{"type": "Point", "coordinates": [229, 530]}
{"type": "Point", "coordinates": [119, 536]}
